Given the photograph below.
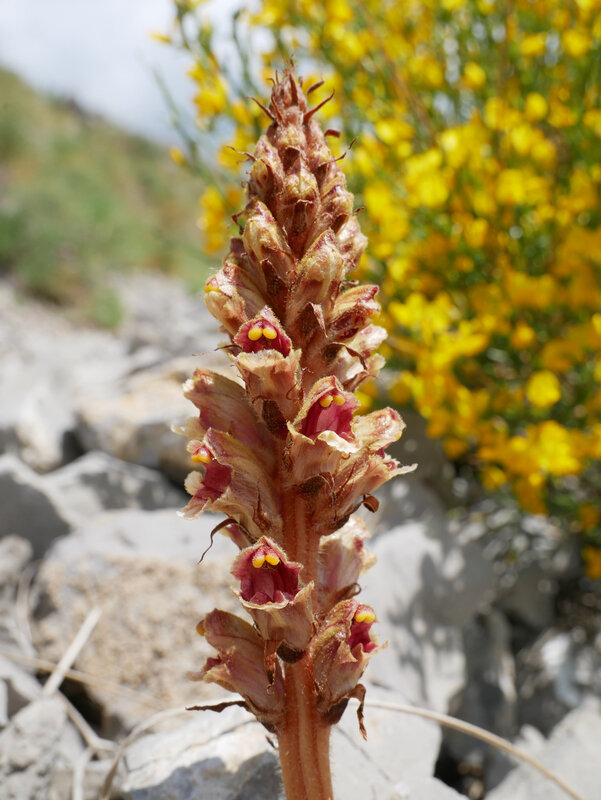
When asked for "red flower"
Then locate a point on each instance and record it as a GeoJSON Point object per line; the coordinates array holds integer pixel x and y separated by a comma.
{"type": "Point", "coordinates": [341, 650]}
{"type": "Point", "coordinates": [270, 591]}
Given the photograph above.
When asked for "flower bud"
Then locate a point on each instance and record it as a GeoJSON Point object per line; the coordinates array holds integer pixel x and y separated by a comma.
{"type": "Point", "coordinates": [343, 557]}
{"type": "Point", "coordinates": [351, 243]}
{"type": "Point", "coordinates": [321, 271]}
{"type": "Point", "coordinates": [223, 405]}
{"type": "Point", "coordinates": [232, 296]}
{"type": "Point", "coordinates": [355, 361]}
{"type": "Point", "coordinates": [267, 247]}
{"type": "Point", "coordinates": [336, 203]}
{"type": "Point", "coordinates": [341, 650]}
{"type": "Point", "coordinates": [240, 665]}
{"type": "Point", "coordinates": [351, 311]}
{"type": "Point", "coordinates": [297, 204]}
{"type": "Point", "coordinates": [235, 482]}
{"type": "Point", "coordinates": [266, 174]}
{"type": "Point", "coordinates": [274, 385]}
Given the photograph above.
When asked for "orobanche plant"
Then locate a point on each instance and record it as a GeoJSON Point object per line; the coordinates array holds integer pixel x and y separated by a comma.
{"type": "Point", "coordinates": [282, 452]}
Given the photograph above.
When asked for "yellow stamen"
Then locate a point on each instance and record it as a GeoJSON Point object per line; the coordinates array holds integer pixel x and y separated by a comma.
{"type": "Point", "coordinates": [364, 615]}
{"type": "Point", "coordinates": [326, 402]}
{"type": "Point", "coordinates": [255, 333]}
{"type": "Point", "coordinates": [272, 559]}
{"type": "Point", "coordinates": [338, 399]}
{"type": "Point", "coordinates": [202, 457]}
{"type": "Point", "coordinates": [270, 333]}
{"type": "Point", "coordinates": [258, 561]}
{"type": "Point", "coordinates": [200, 629]}
{"type": "Point", "coordinates": [210, 288]}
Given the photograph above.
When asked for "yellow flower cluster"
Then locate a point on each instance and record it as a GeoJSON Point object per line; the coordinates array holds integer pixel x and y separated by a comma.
{"type": "Point", "coordinates": [478, 128]}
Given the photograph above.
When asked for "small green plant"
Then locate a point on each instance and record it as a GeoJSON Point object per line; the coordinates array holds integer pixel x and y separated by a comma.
{"type": "Point", "coordinates": [81, 200]}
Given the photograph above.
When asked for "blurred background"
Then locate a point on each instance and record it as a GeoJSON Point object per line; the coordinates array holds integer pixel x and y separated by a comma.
{"type": "Point", "coordinates": [100, 55]}
{"type": "Point", "coordinates": [471, 137]}
{"type": "Point", "coordinates": [87, 185]}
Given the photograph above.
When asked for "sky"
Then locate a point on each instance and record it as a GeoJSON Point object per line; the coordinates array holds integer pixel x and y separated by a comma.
{"type": "Point", "coordinates": [100, 53]}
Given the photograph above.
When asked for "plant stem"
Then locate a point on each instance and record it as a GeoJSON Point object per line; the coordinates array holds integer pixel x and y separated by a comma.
{"type": "Point", "coordinates": [301, 540]}
{"type": "Point", "coordinates": [304, 738]}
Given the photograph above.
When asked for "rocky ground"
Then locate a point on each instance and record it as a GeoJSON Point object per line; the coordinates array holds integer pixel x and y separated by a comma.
{"type": "Point", "coordinates": [90, 478]}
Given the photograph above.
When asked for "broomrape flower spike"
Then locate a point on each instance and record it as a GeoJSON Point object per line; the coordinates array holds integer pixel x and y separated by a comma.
{"type": "Point", "coordinates": [282, 451]}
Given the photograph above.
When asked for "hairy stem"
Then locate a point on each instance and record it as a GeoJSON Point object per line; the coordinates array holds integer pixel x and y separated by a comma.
{"type": "Point", "coordinates": [301, 540]}
{"type": "Point", "coordinates": [304, 738]}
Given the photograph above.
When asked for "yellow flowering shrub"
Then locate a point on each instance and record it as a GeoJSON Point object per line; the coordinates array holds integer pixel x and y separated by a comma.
{"type": "Point", "coordinates": [477, 128]}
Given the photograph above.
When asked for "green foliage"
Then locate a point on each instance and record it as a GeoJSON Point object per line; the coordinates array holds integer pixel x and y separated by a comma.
{"type": "Point", "coordinates": [82, 200]}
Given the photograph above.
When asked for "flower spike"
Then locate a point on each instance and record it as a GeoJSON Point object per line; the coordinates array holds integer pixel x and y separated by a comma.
{"type": "Point", "coordinates": [283, 451]}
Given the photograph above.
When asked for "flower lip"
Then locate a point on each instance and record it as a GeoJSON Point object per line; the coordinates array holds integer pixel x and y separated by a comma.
{"type": "Point", "coordinates": [212, 285]}
{"type": "Point", "coordinates": [263, 332]}
{"type": "Point", "coordinates": [199, 452]}
{"type": "Point", "coordinates": [333, 411]}
{"type": "Point", "coordinates": [265, 575]}
{"type": "Point", "coordinates": [216, 478]}
{"type": "Point", "coordinates": [360, 636]}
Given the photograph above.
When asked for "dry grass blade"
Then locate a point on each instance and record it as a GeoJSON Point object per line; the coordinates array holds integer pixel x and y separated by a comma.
{"type": "Point", "coordinates": [74, 649]}
{"type": "Point", "coordinates": [77, 675]}
{"type": "Point", "coordinates": [478, 733]}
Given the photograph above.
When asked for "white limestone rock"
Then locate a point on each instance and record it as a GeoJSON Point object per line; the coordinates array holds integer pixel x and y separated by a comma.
{"type": "Point", "coordinates": [27, 508]}
{"type": "Point", "coordinates": [34, 749]}
{"type": "Point", "coordinates": [426, 586]}
{"type": "Point", "coordinates": [572, 753]}
{"type": "Point", "coordinates": [98, 482]}
{"type": "Point", "coordinates": [423, 789]}
{"type": "Point", "coordinates": [134, 420]}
